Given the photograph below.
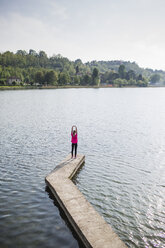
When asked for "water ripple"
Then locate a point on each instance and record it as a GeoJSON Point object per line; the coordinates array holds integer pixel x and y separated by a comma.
{"type": "Point", "coordinates": [123, 139]}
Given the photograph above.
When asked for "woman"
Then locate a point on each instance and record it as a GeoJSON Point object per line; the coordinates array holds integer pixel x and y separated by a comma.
{"type": "Point", "coordinates": [74, 140]}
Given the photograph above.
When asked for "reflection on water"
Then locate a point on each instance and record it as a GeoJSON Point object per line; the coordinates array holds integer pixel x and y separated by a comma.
{"type": "Point", "coordinates": [63, 216]}
{"type": "Point", "coordinates": [122, 134]}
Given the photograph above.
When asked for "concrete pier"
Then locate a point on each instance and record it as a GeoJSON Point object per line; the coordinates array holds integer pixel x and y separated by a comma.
{"type": "Point", "coordinates": [86, 221]}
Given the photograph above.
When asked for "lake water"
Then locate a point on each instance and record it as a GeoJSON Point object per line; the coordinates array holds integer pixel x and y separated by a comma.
{"type": "Point", "coordinates": [122, 134]}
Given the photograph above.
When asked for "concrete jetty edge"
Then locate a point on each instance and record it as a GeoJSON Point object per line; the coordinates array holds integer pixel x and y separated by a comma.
{"type": "Point", "coordinates": [91, 227]}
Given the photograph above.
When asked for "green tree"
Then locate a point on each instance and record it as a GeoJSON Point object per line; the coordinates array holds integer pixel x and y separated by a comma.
{"type": "Point", "coordinates": [132, 81]}
{"type": "Point", "coordinates": [51, 77]}
{"type": "Point", "coordinates": [21, 52]}
{"type": "Point", "coordinates": [43, 60]}
{"type": "Point", "coordinates": [2, 82]}
{"type": "Point", "coordinates": [130, 75]}
{"type": "Point", "coordinates": [32, 52]}
{"type": "Point", "coordinates": [120, 82]}
{"type": "Point", "coordinates": [155, 78]}
{"type": "Point", "coordinates": [42, 54]}
{"type": "Point", "coordinates": [64, 78]}
{"type": "Point", "coordinates": [112, 76]}
{"type": "Point", "coordinates": [122, 71]}
{"type": "Point", "coordinates": [77, 69]}
{"type": "Point", "coordinates": [39, 77]}
{"type": "Point", "coordinates": [27, 79]}
{"type": "Point", "coordinates": [76, 80]}
{"type": "Point", "coordinates": [140, 77]}
{"type": "Point", "coordinates": [78, 62]}
{"type": "Point", "coordinates": [141, 83]}
{"type": "Point", "coordinates": [86, 80]}
{"type": "Point", "coordinates": [95, 77]}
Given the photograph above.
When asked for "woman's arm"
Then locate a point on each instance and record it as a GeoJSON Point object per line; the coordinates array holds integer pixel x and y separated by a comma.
{"type": "Point", "coordinates": [75, 129]}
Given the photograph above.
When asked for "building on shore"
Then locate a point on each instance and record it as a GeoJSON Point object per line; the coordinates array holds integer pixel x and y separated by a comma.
{"type": "Point", "coordinates": [12, 80]}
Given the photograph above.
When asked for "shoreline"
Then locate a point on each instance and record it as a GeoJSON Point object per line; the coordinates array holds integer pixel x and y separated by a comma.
{"type": "Point", "coordinates": [71, 87]}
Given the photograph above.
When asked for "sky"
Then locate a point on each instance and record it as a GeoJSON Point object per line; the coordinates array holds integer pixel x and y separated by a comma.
{"type": "Point", "coordinates": [129, 30]}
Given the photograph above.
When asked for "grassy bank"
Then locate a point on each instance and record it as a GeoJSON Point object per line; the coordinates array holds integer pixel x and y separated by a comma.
{"type": "Point", "coordinates": [17, 87]}
{"type": "Point", "coordinates": [44, 87]}
{"type": "Point", "coordinates": [63, 87]}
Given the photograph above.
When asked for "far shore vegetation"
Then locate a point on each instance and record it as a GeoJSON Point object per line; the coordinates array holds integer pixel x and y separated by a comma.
{"type": "Point", "coordinates": [28, 70]}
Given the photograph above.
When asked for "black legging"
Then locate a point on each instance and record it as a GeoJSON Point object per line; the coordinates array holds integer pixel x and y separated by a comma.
{"type": "Point", "coordinates": [74, 146]}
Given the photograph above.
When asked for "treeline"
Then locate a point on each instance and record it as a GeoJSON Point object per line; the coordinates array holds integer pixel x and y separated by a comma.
{"type": "Point", "coordinates": [37, 68]}
{"type": "Point", "coordinates": [33, 67]}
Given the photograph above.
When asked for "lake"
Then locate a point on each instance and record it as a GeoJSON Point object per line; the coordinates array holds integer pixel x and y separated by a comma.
{"type": "Point", "coordinates": [121, 132]}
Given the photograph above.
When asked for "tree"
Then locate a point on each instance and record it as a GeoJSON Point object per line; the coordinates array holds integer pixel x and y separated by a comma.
{"type": "Point", "coordinates": [51, 77]}
{"type": "Point", "coordinates": [122, 71]}
{"type": "Point", "coordinates": [140, 77]}
{"type": "Point", "coordinates": [32, 52]}
{"type": "Point", "coordinates": [78, 62]}
{"type": "Point", "coordinates": [141, 83]}
{"type": "Point", "coordinates": [27, 79]}
{"type": "Point", "coordinates": [95, 73]}
{"type": "Point", "coordinates": [155, 78]}
{"type": "Point", "coordinates": [64, 78]}
{"type": "Point", "coordinates": [39, 77]}
{"type": "Point", "coordinates": [77, 69]}
{"type": "Point", "coordinates": [76, 80]}
{"type": "Point", "coordinates": [42, 54]}
{"type": "Point", "coordinates": [21, 52]}
{"type": "Point", "coordinates": [112, 76]}
{"type": "Point", "coordinates": [95, 77]}
{"type": "Point", "coordinates": [120, 82]}
{"type": "Point", "coordinates": [86, 80]}
{"type": "Point", "coordinates": [130, 75]}
{"type": "Point", "coordinates": [132, 81]}
{"type": "Point", "coordinates": [2, 82]}
{"type": "Point", "coordinates": [43, 61]}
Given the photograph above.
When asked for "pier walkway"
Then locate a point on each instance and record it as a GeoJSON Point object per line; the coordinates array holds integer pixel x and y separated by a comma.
{"type": "Point", "coordinates": [86, 221]}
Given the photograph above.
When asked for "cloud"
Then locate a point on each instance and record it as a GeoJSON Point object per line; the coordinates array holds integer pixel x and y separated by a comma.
{"type": "Point", "coordinates": [88, 30]}
{"type": "Point", "coordinates": [22, 32]}
{"type": "Point", "coordinates": [58, 10]}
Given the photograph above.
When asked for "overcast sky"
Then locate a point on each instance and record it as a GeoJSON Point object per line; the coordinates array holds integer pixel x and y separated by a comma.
{"type": "Point", "coordinates": [131, 30]}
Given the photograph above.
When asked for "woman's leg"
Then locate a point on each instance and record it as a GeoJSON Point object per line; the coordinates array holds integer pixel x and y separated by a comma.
{"type": "Point", "coordinates": [75, 150]}
{"type": "Point", "coordinates": [72, 149]}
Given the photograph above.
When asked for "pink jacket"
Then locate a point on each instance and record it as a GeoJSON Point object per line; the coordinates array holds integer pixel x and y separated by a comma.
{"type": "Point", "coordinates": [74, 139]}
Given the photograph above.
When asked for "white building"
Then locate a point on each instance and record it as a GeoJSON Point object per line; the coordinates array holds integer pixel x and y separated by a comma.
{"type": "Point", "coordinates": [13, 79]}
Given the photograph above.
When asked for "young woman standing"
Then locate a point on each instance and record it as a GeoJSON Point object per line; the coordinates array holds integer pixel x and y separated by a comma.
{"type": "Point", "coordinates": [74, 140]}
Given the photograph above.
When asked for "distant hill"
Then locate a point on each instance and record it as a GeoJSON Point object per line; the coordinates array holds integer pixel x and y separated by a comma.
{"type": "Point", "coordinates": [32, 67]}
{"type": "Point", "coordinates": [104, 66]}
